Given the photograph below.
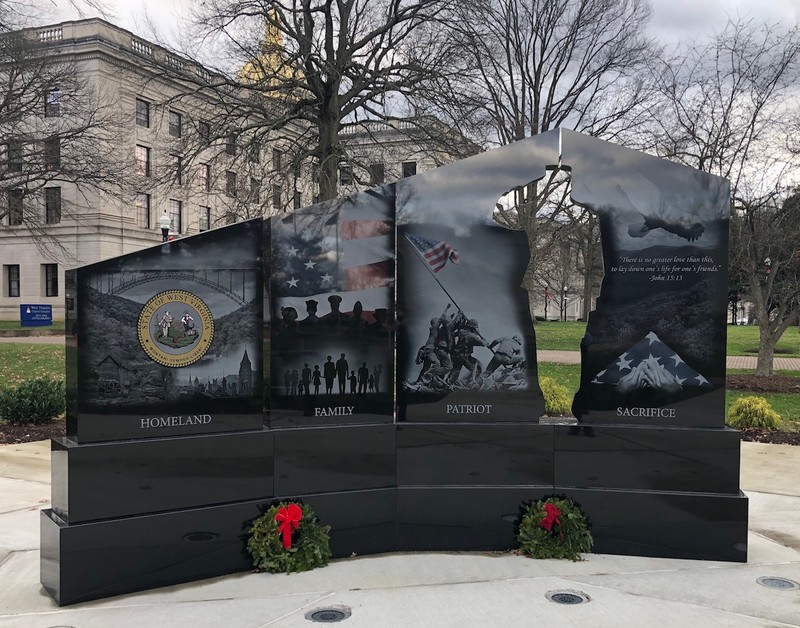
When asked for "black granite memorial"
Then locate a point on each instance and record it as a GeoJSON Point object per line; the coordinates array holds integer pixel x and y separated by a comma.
{"type": "Point", "coordinates": [182, 428]}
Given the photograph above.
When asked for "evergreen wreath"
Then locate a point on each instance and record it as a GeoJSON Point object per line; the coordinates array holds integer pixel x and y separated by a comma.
{"type": "Point", "coordinates": [554, 528]}
{"type": "Point", "coordinates": [288, 538]}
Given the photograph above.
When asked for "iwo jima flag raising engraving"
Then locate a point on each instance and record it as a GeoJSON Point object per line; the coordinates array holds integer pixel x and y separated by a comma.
{"type": "Point", "coordinates": [435, 253]}
{"type": "Point", "coordinates": [332, 281]}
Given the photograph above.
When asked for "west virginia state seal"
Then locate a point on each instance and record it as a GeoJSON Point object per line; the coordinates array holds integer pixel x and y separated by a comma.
{"type": "Point", "coordinates": [175, 328]}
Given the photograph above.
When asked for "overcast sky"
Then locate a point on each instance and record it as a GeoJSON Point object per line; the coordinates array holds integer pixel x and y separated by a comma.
{"type": "Point", "coordinates": [672, 20]}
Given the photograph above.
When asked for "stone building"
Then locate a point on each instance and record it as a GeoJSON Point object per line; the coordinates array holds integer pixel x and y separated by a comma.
{"type": "Point", "coordinates": [159, 124]}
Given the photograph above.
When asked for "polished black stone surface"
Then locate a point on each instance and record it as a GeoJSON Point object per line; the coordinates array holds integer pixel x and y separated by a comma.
{"type": "Point", "coordinates": [93, 560]}
{"type": "Point", "coordinates": [362, 522]}
{"type": "Point", "coordinates": [647, 458]}
{"type": "Point", "coordinates": [127, 381]}
{"type": "Point", "coordinates": [332, 459]}
{"type": "Point", "coordinates": [461, 519]}
{"type": "Point", "coordinates": [117, 479]}
{"type": "Point", "coordinates": [473, 455]}
{"type": "Point", "coordinates": [669, 525]}
{"type": "Point", "coordinates": [87, 561]}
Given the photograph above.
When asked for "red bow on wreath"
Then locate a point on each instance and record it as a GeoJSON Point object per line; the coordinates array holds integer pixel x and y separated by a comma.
{"type": "Point", "coordinates": [551, 518]}
{"type": "Point", "coordinates": [288, 517]}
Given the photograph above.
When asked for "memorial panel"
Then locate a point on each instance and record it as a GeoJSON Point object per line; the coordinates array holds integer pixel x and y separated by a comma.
{"type": "Point", "coordinates": [466, 345]}
{"type": "Point", "coordinates": [332, 308]}
{"type": "Point", "coordinates": [169, 339]}
{"type": "Point", "coordinates": [654, 349]}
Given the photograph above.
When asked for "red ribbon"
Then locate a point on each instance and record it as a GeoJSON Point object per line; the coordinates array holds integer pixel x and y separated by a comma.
{"type": "Point", "coordinates": [288, 517]}
{"type": "Point", "coordinates": [551, 518]}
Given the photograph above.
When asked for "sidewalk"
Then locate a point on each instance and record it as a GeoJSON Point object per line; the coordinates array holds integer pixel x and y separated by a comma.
{"type": "Point", "coordinates": [433, 590]}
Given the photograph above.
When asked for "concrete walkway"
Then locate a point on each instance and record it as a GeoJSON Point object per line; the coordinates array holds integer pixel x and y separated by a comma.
{"type": "Point", "coordinates": [435, 590]}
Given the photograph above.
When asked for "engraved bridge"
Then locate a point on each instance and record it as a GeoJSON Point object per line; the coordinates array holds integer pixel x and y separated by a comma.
{"type": "Point", "coordinates": [237, 285]}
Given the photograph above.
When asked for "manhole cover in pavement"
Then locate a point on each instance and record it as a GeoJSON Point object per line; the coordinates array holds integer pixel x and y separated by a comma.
{"type": "Point", "coordinates": [774, 582]}
{"type": "Point", "coordinates": [567, 597]}
{"type": "Point", "coordinates": [328, 615]}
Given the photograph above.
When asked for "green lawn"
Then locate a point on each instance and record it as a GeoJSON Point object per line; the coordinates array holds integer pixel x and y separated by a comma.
{"type": "Point", "coordinates": [59, 325]}
{"type": "Point", "coordinates": [20, 361]}
{"type": "Point", "coordinates": [742, 339]}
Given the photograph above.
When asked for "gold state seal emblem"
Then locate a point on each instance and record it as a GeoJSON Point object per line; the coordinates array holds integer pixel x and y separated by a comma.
{"type": "Point", "coordinates": [175, 328]}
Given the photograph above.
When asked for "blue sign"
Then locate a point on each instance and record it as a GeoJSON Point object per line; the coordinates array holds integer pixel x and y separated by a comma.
{"type": "Point", "coordinates": [31, 315]}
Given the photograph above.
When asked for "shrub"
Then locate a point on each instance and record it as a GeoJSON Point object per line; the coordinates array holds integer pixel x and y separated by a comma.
{"type": "Point", "coordinates": [753, 411]}
{"type": "Point", "coordinates": [33, 401]}
{"type": "Point", "coordinates": [309, 542]}
{"type": "Point", "coordinates": [556, 397]}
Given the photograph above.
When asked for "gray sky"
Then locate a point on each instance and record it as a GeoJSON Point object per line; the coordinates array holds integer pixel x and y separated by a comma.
{"type": "Point", "coordinates": [672, 20]}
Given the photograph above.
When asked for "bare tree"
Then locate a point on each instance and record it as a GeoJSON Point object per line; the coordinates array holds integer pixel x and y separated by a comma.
{"type": "Point", "coordinates": [726, 104]}
{"type": "Point", "coordinates": [765, 251]}
{"type": "Point", "coordinates": [57, 131]}
{"type": "Point", "coordinates": [293, 72]}
{"type": "Point", "coordinates": [530, 66]}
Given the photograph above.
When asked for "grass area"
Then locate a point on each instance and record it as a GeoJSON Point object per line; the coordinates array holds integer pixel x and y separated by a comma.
{"type": "Point", "coordinates": [557, 336]}
{"type": "Point", "coordinates": [742, 339]}
{"type": "Point", "coordinates": [20, 361]}
{"type": "Point", "coordinates": [568, 375]}
{"type": "Point", "coordinates": [59, 325]}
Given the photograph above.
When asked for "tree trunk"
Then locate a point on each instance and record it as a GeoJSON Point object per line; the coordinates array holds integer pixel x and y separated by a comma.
{"type": "Point", "coordinates": [766, 350]}
{"type": "Point", "coordinates": [329, 155]}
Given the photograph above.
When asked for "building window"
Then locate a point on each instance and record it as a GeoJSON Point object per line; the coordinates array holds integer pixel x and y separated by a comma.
{"type": "Point", "coordinates": [230, 144]}
{"type": "Point", "coordinates": [230, 184]}
{"type": "Point", "coordinates": [52, 153]}
{"type": "Point", "coordinates": [15, 207]}
{"type": "Point", "coordinates": [298, 202]}
{"type": "Point", "coordinates": [52, 103]}
{"type": "Point", "coordinates": [142, 160]}
{"type": "Point", "coordinates": [52, 205]}
{"type": "Point", "coordinates": [254, 153]}
{"type": "Point", "coordinates": [377, 174]}
{"type": "Point", "coordinates": [204, 176]}
{"type": "Point", "coordinates": [14, 156]}
{"type": "Point", "coordinates": [175, 214]}
{"type": "Point", "coordinates": [205, 218]}
{"type": "Point", "coordinates": [142, 113]}
{"type": "Point", "coordinates": [177, 169]}
{"type": "Point", "coordinates": [204, 131]}
{"type": "Point", "coordinates": [409, 168]}
{"type": "Point", "coordinates": [276, 196]}
{"type": "Point", "coordinates": [142, 205]}
{"type": "Point", "coordinates": [277, 159]}
{"type": "Point", "coordinates": [50, 280]}
{"type": "Point", "coordinates": [175, 124]}
{"type": "Point", "coordinates": [12, 280]}
{"type": "Point", "coordinates": [345, 175]}
{"type": "Point", "coordinates": [255, 190]}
